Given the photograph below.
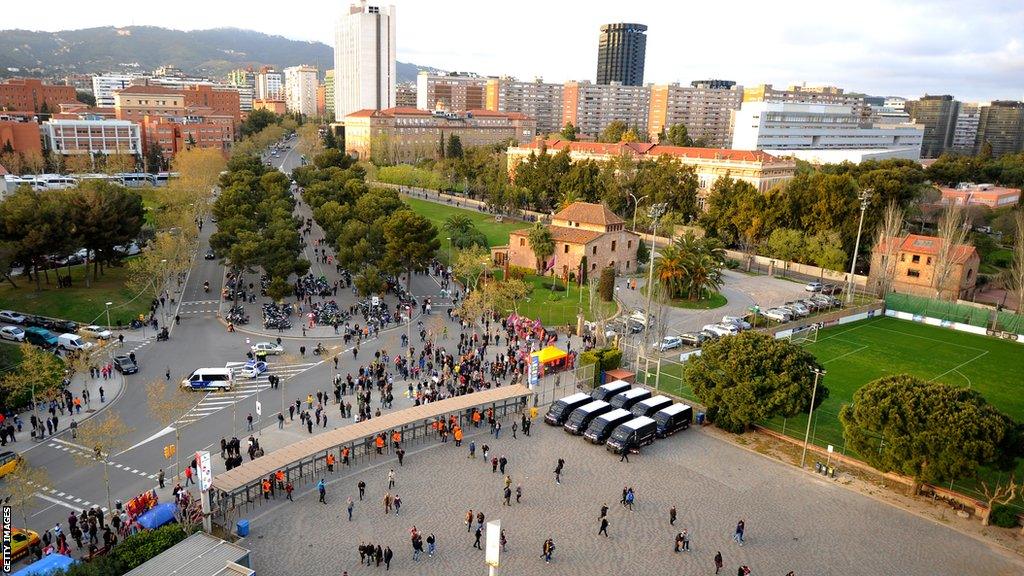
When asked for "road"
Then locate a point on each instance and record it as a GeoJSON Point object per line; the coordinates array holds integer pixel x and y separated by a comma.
{"type": "Point", "coordinates": [200, 340]}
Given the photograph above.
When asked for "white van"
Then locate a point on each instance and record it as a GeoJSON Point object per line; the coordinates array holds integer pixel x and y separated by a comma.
{"type": "Point", "coordinates": [209, 379]}
{"type": "Point", "coordinates": [72, 342]}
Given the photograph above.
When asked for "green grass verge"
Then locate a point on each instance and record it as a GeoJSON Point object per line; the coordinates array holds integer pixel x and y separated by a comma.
{"type": "Point", "coordinates": [77, 303]}
{"type": "Point", "coordinates": [496, 232]}
{"type": "Point", "coordinates": [717, 300]}
{"type": "Point", "coordinates": [557, 307]}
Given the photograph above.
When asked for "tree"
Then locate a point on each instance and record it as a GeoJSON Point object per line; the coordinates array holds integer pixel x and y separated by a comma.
{"type": "Point", "coordinates": [38, 375]}
{"type": "Point", "coordinates": [751, 377]}
{"type": "Point", "coordinates": [825, 249]}
{"type": "Point", "coordinates": [677, 135]}
{"type": "Point", "coordinates": [454, 147]}
{"type": "Point", "coordinates": [20, 486]}
{"type": "Point", "coordinates": [613, 132]}
{"type": "Point", "coordinates": [1000, 494]}
{"type": "Point", "coordinates": [542, 244]}
{"type": "Point", "coordinates": [606, 284]}
{"type": "Point", "coordinates": [165, 409]}
{"type": "Point", "coordinates": [787, 244]}
{"type": "Point", "coordinates": [929, 431]}
{"type": "Point", "coordinates": [568, 132]}
{"type": "Point", "coordinates": [369, 281]}
{"type": "Point", "coordinates": [104, 215]}
{"type": "Point", "coordinates": [1017, 267]}
{"type": "Point", "coordinates": [105, 435]}
{"type": "Point", "coordinates": [154, 158]}
{"type": "Point", "coordinates": [952, 234]}
{"type": "Point", "coordinates": [470, 263]}
{"type": "Point", "coordinates": [410, 242]}
{"type": "Point", "coordinates": [643, 254]}
{"type": "Point", "coordinates": [86, 98]}
{"type": "Point", "coordinates": [257, 120]}
{"type": "Point", "coordinates": [886, 246]}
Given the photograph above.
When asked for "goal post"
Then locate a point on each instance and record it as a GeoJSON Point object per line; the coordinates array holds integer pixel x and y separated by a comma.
{"type": "Point", "coordinates": [806, 336]}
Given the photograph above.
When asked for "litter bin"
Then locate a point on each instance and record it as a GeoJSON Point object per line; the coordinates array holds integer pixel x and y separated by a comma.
{"type": "Point", "coordinates": [700, 418]}
{"type": "Point", "coordinates": [242, 528]}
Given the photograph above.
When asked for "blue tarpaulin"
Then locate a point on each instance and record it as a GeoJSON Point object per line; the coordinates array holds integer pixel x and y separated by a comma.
{"type": "Point", "coordinates": [158, 516]}
{"type": "Point", "coordinates": [48, 565]}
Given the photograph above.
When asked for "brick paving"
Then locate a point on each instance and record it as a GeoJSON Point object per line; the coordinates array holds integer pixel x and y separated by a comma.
{"type": "Point", "coordinates": [794, 521]}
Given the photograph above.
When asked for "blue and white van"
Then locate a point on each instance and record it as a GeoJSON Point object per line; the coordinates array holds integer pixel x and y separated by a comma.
{"type": "Point", "coordinates": [209, 379]}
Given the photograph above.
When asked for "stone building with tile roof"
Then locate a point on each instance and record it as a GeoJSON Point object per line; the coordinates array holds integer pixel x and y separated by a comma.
{"type": "Point", "coordinates": [913, 269]}
{"type": "Point", "coordinates": [582, 232]}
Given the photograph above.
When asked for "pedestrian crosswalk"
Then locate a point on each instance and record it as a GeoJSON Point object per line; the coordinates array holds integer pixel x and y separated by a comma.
{"type": "Point", "coordinates": [243, 388]}
{"type": "Point", "coordinates": [86, 452]}
{"type": "Point", "coordinates": [199, 307]}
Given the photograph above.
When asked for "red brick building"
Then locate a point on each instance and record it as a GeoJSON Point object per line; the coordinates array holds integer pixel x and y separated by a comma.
{"type": "Point", "coordinates": [223, 102]}
{"type": "Point", "coordinates": [23, 137]}
{"type": "Point", "coordinates": [31, 94]}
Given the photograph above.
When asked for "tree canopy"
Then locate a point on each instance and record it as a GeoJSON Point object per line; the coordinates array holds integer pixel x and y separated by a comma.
{"type": "Point", "coordinates": [929, 431]}
{"type": "Point", "coordinates": [750, 377]}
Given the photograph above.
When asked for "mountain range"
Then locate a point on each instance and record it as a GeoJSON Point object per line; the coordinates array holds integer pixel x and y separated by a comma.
{"type": "Point", "coordinates": [211, 53]}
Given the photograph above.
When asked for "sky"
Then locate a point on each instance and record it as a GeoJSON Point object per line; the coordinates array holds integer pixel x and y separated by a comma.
{"type": "Point", "coordinates": [973, 49]}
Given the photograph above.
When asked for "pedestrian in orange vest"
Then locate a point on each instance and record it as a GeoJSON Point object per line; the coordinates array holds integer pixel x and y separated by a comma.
{"type": "Point", "coordinates": [280, 479]}
{"type": "Point", "coordinates": [330, 462]}
{"type": "Point", "coordinates": [344, 455]}
{"type": "Point", "coordinates": [266, 489]}
{"type": "Point", "coordinates": [380, 444]}
{"type": "Point", "coordinates": [458, 436]}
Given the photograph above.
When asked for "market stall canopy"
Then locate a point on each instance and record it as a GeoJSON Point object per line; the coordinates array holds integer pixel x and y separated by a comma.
{"type": "Point", "coordinates": [550, 354]}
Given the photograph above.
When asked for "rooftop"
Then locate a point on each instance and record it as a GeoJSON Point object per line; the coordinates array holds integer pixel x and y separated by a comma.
{"type": "Point", "coordinates": [588, 213]}
{"type": "Point", "coordinates": [151, 89]}
{"type": "Point", "coordinates": [650, 149]}
{"type": "Point", "coordinates": [565, 234]}
{"type": "Point", "coordinates": [932, 245]}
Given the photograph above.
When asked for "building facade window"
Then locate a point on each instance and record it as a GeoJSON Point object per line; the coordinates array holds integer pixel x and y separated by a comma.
{"type": "Point", "coordinates": [914, 273]}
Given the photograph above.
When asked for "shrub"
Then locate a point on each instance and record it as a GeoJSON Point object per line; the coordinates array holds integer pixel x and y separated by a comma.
{"type": "Point", "coordinates": [732, 263]}
{"type": "Point", "coordinates": [131, 553]}
{"type": "Point", "coordinates": [606, 285]}
{"type": "Point", "coordinates": [605, 358]}
{"type": "Point", "coordinates": [1003, 516]}
{"type": "Point", "coordinates": [518, 272]}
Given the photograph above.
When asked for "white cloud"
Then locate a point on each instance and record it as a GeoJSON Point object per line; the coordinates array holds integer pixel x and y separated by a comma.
{"type": "Point", "coordinates": [970, 49]}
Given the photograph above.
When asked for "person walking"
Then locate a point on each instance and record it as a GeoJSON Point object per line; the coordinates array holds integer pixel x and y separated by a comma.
{"type": "Point", "coordinates": [362, 489]}
{"type": "Point", "coordinates": [160, 478]}
{"type": "Point", "coordinates": [188, 476]}
{"type": "Point", "coordinates": [321, 487]}
{"type": "Point", "coordinates": [288, 489]}
{"type": "Point", "coordinates": [624, 454]}
{"type": "Point", "coordinates": [741, 527]}
{"type": "Point", "coordinates": [469, 520]}
{"type": "Point", "coordinates": [391, 479]}
{"type": "Point", "coordinates": [472, 449]}
{"type": "Point", "coordinates": [629, 498]}
{"type": "Point", "coordinates": [519, 493]}
{"type": "Point", "coordinates": [672, 516]}
{"type": "Point", "coordinates": [686, 540]}
{"type": "Point", "coordinates": [349, 507]}
{"type": "Point", "coordinates": [558, 470]}
{"type": "Point", "coordinates": [604, 527]}
{"type": "Point", "coordinates": [508, 497]}
{"type": "Point", "coordinates": [679, 542]}
{"type": "Point", "coordinates": [548, 550]}
{"type": "Point", "coordinates": [388, 554]}
{"type": "Point", "coordinates": [431, 545]}
{"type": "Point", "coordinates": [248, 420]}
{"type": "Point", "coordinates": [476, 543]}
{"type": "Point", "coordinates": [604, 510]}
{"type": "Point", "coordinates": [398, 504]}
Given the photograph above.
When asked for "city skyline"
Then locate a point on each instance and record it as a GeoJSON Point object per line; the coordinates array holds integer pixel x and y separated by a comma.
{"type": "Point", "coordinates": [880, 49]}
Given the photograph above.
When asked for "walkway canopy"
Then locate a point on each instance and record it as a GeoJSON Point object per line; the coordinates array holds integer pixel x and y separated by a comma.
{"type": "Point", "coordinates": [503, 399]}
{"type": "Point", "coordinates": [550, 354]}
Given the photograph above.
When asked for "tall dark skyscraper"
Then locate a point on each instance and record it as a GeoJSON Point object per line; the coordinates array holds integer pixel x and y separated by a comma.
{"type": "Point", "coordinates": [620, 54]}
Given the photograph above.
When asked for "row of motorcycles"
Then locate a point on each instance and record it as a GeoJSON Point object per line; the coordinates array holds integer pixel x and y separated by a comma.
{"type": "Point", "coordinates": [275, 316]}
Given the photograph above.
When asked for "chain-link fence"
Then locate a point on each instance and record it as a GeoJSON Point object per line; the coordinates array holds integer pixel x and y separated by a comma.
{"type": "Point", "coordinates": [982, 317]}
{"type": "Point", "coordinates": [561, 384]}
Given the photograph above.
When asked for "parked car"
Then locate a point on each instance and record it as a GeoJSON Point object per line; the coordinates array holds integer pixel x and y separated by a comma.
{"type": "Point", "coordinates": [832, 289]}
{"type": "Point", "coordinates": [125, 365]}
{"type": "Point", "coordinates": [694, 339]}
{"type": "Point", "coordinates": [814, 286]}
{"type": "Point", "coordinates": [721, 329]}
{"type": "Point", "coordinates": [736, 321]}
{"type": "Point", "coordinates": [709, 335]}
{"type": "Point", "coordinates": [59, 326]}
{"type": "Point", "coordinates": [777, 314]}
{"type": "Point", "coordinates": [799, 308]}
{"type": "Point", "coordinates": [41, 337]}
{"type": "Point", "coordinates": [267, 348]}
{"type": "Point", "coordinates": [669, 343]}
{"type": "Point", "coordinates": [12, 333]}
{"type": "Point", "coordinates": [12, 317]}
{"type": "Point", "coordinates": [97, 332]}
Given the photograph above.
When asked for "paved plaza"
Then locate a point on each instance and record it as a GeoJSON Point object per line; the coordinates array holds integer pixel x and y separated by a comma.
{"type": "Point", "coordinates": [793, 521]}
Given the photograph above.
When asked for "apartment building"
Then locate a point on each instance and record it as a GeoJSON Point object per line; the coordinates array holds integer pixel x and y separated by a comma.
{"type": "Point", "coordinates": [965, 130]}
{"type": "Point", "coordinates": [808, 94]}
{"type": "Point", "coordinates": [411, 134]}
{"type": "Point", "coordinates": [760, 169]}
{"type": "Point", "coordinates": [450, 92]}
{"type": "Point", "coordinates": [329, 93]}
{"type": "Point", "coordinates": [104, 86]}
{"type": "Point", "coordinates": [78, 137]}
{"type": "Point", "coordinates": [300, 86]}
{"type": "Point", "coordinates": [1001, 126]}
{"type": "Point", "coordinates": [704, 107]}
{"type": "Point", "coordinates": [821, 133]}
{"type": "Point", "coordinates": [167, 121]}
{"type": "Point", "coordinates": [21, 133]}
{"type": "Point", "coordinates": [269, 84]}
{"type": "Point", "coordinates": [30, 94]}
{"type": "Point", "coordinates": [223, 100]}
{"type": "Point", "coordinates": [537, 99]}
{"type": "Point", "coordinates": [592, 107]}
{"type": "Point", "coordinates": [244, 81]}
{"type": "Point", "coordinates": [364, 59]}
{"type": "Point", "coordinates": [405, 95]}
{"type": "Point", "coordinates": [938, 116]}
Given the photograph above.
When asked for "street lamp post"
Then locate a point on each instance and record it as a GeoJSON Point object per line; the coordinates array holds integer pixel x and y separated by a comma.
{"type": "Point", "coordinates": [636, 204]}
{"type": "Point", "coordinates": [449, 239]}
{"type": "Point", "coordinates": [818, 373]}
{"type": "Point", "coordinates": [110, 341]}
{"type": "Point", "coordinates": [865, 199]}
{"type": "Point", "coordinates": [656, 213]}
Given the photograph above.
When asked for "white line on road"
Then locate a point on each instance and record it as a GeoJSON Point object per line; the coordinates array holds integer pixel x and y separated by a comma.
{"type": "Point", "coordinates": [57, 502]}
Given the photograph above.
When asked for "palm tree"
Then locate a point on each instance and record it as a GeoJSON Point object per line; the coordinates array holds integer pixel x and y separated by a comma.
{"type": "Point", "coordinates": [457, 224]}
{"type": "Point", "coordinates": [701, 259]}
{"type": "Point", "coordinates": [542, 244]}
{"type": "Point", "coordinates": [671, 270]}
{"type": "Point", "coordinates": [568, 197]}
{"type": "Point", "coordinates": [705, 276]}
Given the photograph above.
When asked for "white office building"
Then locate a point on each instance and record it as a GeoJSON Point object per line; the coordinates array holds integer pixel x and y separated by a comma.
{"type": "Point", "coordinates": [821, 133]}
{"type": "Point", "coordinates": [300, 85]}
{"type": "Point", "coordinates": [109, 137]}
{"type": "Point", "coordinates": [965, 131]}
{"type": "Point", "coordinates": [364, 60]}
{"type": "Point", "coordinates": [104, 86]}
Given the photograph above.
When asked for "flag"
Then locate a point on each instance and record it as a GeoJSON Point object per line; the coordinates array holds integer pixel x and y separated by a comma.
{"type": "Point", "coordinates": [549, 266]}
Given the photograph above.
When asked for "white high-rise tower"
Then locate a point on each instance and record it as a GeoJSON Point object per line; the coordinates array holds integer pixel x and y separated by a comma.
{"type": "Point", "coordinates": [364, 59]}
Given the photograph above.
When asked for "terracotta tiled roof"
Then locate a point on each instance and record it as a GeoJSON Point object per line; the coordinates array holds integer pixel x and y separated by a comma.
{"type": "Point", "coordinates": [564, 234]}
{"type": "Point", "coordinates": [930, 245]}
{"type": "Point", "coordinates": [148, 90]}
{"type": "Point", "coordinates": [365, 113]}
{"type": "Point", "coordinates": [497, 114]}
{"type": "Point", "coordinates": [589, 214]}
{"type": "Point", "coordinates": [405, 111]}
{"type": "Point", "coordinates": [649, 149]}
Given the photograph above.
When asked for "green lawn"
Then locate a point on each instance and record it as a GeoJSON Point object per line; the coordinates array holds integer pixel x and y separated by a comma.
{"type": "Point", "coordinates": [717, 300]}
{"type": "Point", "coordinates": [10, 356]}
{"type": "Point", "coordinates": [77, 303]}
{"type": "Point", "coordinates": [557, 307]}
{"type": "Point", "coordinates": [496, 232]}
